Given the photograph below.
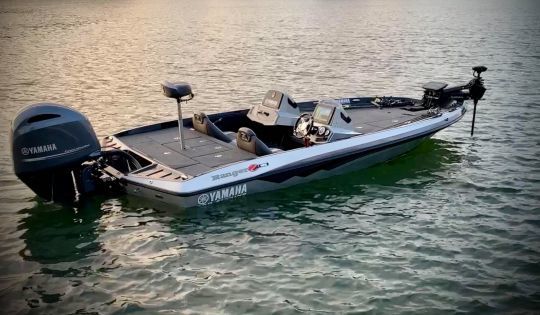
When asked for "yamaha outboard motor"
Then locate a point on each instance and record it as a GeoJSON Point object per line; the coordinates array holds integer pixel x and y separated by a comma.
{"type": "Point", "coordinates": [50, 142]}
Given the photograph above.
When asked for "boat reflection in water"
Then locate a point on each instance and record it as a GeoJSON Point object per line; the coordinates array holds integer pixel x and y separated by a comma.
{"type": "Point", "coordinates": [61, 233]}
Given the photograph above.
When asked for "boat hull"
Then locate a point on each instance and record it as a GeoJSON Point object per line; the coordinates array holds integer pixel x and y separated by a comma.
{"type": "Point", "coordinates": [293, 167]}
{"type": "Point", "coordinates": [261, 185]}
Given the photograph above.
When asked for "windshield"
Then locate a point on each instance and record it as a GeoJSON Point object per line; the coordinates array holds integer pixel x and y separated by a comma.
{"type": "Point", "coordinates": [323, 114]}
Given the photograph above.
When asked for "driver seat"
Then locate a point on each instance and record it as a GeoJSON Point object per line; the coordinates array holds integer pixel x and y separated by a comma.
{"type": "Point", "coordinates": [247, 140]}
{"type": "Point", "coordinates": [202, 124]}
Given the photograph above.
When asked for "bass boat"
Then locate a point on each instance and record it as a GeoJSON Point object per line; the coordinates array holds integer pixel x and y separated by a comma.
{"type": "Point", "coordinates": [206, 159]}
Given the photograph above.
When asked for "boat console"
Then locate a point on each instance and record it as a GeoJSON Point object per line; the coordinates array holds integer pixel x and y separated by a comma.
{"type": "Point", "coordinates": [276, 109]}
{"type": "Point", "coordinates": [329, 122]}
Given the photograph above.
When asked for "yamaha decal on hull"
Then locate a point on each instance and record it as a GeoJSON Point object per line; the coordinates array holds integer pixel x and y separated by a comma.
{"type": "Point", "coordinates": [222, 194]}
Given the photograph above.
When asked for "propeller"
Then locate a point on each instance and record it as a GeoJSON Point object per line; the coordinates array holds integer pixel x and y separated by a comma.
{"type": "Point", "coordinates": [476, 90]}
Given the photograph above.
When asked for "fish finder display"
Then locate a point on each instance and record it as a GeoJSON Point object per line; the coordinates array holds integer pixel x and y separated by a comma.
{"type": "Point", "coordinates": [323, 114]}
{"type": "Point", "coordinates": [272, 99]}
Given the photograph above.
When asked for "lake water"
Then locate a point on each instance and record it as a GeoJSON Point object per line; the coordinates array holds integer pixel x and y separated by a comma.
{"type": "Point", "coordinates": [451, 227]}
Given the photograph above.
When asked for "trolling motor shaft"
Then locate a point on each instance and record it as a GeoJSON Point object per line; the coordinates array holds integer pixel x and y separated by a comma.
{"type": "Point", "coordinates": [476, 90]}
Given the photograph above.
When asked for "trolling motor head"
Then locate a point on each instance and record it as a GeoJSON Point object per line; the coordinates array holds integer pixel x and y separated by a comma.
{"type": "Point", "coordinates": [477, 71]}
{"type": "Point", "coordinates": [476, 86]}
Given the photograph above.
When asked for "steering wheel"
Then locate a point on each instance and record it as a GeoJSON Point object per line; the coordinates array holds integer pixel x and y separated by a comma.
{"type": "Point", "coordinates": [303, 125]}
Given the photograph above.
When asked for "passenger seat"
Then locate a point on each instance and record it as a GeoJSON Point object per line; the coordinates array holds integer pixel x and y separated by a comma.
{"type": "Point", "coordinates": [247, 140]}
{"type": "Point", "coordinates": [202, 124]}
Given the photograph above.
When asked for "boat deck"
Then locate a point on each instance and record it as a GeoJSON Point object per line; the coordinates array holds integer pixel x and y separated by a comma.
{"type": "Point", "coordinates": [201, 154]}
{"type": "Point", "coordinates": [368, 120]}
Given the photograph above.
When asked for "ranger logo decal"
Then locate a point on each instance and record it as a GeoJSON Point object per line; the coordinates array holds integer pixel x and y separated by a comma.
{"type": "Point", "coordinates": [250, 168]}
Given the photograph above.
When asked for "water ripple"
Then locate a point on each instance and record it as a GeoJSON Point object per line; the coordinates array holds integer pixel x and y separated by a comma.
{"type": "Point", "coordinates": [451, 227]}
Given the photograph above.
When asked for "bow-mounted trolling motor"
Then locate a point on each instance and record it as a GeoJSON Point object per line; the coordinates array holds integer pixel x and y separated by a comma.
{"type": "Point", "coordinates": [56, 153]}
{"type": "Point", "coordinates": [476, 90]}
{"type": "Point", "coordinates": [438, 95]}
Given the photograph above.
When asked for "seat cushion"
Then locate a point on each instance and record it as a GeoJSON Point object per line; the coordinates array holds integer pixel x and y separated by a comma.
{"type": "Point", "coordinates": [202, 124]}
{"type": "Point", "coordinates": [247, 140]}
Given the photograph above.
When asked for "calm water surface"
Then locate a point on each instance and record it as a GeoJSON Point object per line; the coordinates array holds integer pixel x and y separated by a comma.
{"type": "Point", "coordinates": [451, 227]}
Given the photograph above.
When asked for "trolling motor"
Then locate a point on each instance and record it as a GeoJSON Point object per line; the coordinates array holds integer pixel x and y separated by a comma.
{"type": "Point", "coordinates": [437, 94]}
{"type": "Point", "coordinates": [476, 90]}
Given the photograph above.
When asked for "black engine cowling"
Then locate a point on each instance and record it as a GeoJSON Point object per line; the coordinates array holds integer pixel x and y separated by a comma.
{"type": "Point", "coordinates": [49, 144]}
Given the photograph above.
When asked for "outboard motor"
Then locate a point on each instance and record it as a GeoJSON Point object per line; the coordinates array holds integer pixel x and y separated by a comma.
{"type": "Point", "coordinates": [49, 144]}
